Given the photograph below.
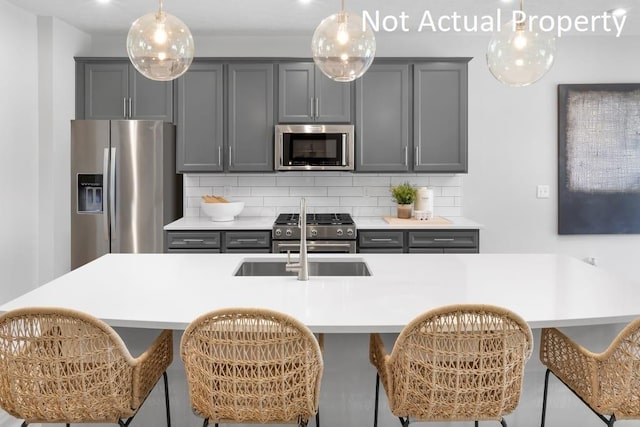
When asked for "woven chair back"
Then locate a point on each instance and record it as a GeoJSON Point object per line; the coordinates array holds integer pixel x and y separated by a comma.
{"type": "Point", "coordinates": [57, 365]}
{"type": "Point", "coordinates": [251, 365]}
{"type": "Point", "coordinates": [619, 374]}
{"type": "Point", "coordinates": [462, 362]}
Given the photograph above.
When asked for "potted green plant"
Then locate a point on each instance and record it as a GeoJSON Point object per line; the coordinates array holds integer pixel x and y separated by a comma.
{"type": "Point", "coordinates": [404, 195]}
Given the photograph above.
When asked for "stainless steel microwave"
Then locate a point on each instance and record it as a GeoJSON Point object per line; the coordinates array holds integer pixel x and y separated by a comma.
{"type": "Point", "coordinates": [314, 147]}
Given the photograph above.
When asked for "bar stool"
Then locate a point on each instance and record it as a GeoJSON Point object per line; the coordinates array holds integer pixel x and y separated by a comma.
{"type": "Point", "coordinates": [608, 382]}
{"type": "Point", "coordinates": [454, 363]}
{"type": "Point", "coordinates": [251, 365]}
{"type": "Point", "coordinates": [64, 366]}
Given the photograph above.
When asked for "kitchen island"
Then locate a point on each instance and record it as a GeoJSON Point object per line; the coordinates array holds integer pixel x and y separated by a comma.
{"type": "Point", "coordinates": [169, 290]}
{"type": "Point", "coordinates": [139, 294]}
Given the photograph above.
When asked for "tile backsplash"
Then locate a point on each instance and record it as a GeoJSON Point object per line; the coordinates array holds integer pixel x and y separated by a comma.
{"type": "Point", "coordinates": [269, 194]}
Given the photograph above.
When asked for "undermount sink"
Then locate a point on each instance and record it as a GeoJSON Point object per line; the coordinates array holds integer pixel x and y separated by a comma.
{"type": "Point", "coordinates": [317, 267]}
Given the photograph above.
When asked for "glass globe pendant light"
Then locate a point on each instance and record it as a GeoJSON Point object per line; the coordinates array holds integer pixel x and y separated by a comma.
{"type": "Point", "coordinates": [521, 55]}
{"type": "Point", "coordinates": [160, 45]}
{"type": "Point", "coordinates": [341, 47]}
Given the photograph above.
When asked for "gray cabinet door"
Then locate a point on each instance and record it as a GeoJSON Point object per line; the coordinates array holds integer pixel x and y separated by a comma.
{"type": "Point", "coordinates": [440, 117]}
{"type": "Point", "coordinates": [306, 95]}
{"type": "Point", "coordinates": [382, 119]}
{"type": "Point", "coordinates": [106, 90]}
{"type": "Point", "coordinates": [150, 99]}
{"type": "Point", "coordinates": [296, 92]}
{"type": "Point", "coordinates": [250, 117]}
{"type": "Point", "coordinates": [332, 99]}
{"type": "Point", "coordinates": [200, 119]}
{"type": "Point", "coordinates": [115, 90]}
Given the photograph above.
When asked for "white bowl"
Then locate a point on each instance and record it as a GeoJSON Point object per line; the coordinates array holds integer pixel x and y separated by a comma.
{"type": "Point", "coordinates": [222, 211]}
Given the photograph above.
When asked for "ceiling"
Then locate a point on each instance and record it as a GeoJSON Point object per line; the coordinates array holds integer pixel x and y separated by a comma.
{"type": "Point", "coordinates": [283, 17]}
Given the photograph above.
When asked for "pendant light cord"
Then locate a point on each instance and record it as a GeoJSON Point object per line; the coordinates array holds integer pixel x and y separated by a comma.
{"type": "Point", "coordinates": [161, 10]}
{"type": "Point", "coordinates": [342, 5]}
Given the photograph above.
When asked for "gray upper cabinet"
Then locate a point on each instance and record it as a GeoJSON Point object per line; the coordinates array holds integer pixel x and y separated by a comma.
{"type": "Point", "coordinates": [440, 117]}
{"type": "Point", "coordinates": [307, 95]}
{"type": "Point", "coordinates": [412, 116]}
{"type": "Point", "coordinates": [382, 119]}
{"type": "Point", "coordinates": [250, 117]}
{"type": "Point", "coordinates": [114, 89]}
{"type": "Point", "coordinates": [200, 123]}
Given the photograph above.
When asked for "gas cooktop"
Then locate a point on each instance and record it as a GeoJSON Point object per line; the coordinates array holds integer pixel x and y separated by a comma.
{"type": "Point", "coordinates": [315, 219]}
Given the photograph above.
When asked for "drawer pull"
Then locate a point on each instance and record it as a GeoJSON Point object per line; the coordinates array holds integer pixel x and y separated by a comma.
{"type": "Point", "coordinates": [450, 239]}
{"type": "Point", "coordinates": [193, 240]}
{"type": "Point", "coordinates": [382, 240]}
{"type": "Point", "coordinates": [246, 240]}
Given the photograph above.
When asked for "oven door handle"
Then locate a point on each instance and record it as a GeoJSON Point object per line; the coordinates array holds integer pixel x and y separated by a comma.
{"type": "Point", "coordinates": [328, 245]}
{"type": "Point", "coordinates": [316, 245]}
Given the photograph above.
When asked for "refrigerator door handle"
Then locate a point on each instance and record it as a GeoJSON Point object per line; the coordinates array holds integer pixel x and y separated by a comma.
{"type": "Point", "coordinates": [112, 192]}
{"type": "Point", "coordinates": [105, 180]}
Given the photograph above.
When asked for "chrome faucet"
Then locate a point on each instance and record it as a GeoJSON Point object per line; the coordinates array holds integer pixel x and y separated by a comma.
{"type": "Point", "coordinates": [302, 266]}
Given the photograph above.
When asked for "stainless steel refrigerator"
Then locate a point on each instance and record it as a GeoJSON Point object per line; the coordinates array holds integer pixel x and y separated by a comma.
{"type": "Point", "coordinates": [124, 187]}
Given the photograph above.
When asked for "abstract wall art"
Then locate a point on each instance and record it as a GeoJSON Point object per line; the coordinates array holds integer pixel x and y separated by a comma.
{"type": "Point", "coordinates": [599, 159]}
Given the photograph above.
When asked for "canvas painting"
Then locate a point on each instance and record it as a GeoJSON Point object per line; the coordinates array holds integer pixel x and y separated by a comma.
{"type": "Point", "coordinates": [599, 159]}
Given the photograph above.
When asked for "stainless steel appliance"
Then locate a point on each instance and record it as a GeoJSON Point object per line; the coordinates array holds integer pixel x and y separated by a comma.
{"type": "Point", "coordinates": [124, 188]}
{"type": "Point", "coordinates": [326, 233]}
{"type": "Point", "coordinates": [314, 147]}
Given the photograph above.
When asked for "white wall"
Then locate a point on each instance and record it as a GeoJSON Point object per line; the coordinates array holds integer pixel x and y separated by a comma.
{"type": "Point", "coordinates": [18, 151]}
{"type": "Point", "coordinates": [58, 44]}
{"type": "Point", "coordinates": [38, 94]}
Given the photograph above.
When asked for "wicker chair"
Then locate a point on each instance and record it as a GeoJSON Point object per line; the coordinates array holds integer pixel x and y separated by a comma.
{"type": "Point", "coordinates": [454, 363]}
{"type": "Point", "coordinates": [63, 366]}
{"type": "Point", "coordinates": [252, 366]}
{"type": "Point", "coordinates": [608, 382]}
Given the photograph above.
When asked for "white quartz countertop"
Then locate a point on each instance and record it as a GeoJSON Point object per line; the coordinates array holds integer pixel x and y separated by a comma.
{"type": "Point", "coordinates": [266, 223]}
{"type": "Point", "coordinates": [170, 290]}
{"type": "Point", "coordinates": [378, 223]}
{"type": "Point", "coordinates": [205, 223]}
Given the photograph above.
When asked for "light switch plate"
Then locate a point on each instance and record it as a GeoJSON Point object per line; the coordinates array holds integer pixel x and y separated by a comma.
{"type": "Point", "coordinates": [543, 192]}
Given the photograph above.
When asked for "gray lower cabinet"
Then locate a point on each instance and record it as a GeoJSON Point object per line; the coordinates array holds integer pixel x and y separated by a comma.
{"type": "Point", "coordinates": [247, 241]}
{"type": "Point", "coordinates": [250, 117]}
{"type": "Point", "coordinates": [200, 122]}
{"type": "Point", "coordinates": [193, 241]}
{"type": "Point", "coordinates": [411, 116]}
{"type": "Point", "coordinates": [307, 95]}
{"type": "Point", "coordinates": [380, 241]}
{"type": "Point", "coordinates": [440, 117]}
{"type": "Point", "coordinates": [205, 241]}
{"type": "Point", "coordinates": [226, 117]}
{"type": "Point", "coordinates": [114, 89]}
{"type": "Point", "coordinates": [422, 241]}
{"type": "Point", "coordinates": [443, 241]}
{"type": "Point", "coordinates": [382, 119]}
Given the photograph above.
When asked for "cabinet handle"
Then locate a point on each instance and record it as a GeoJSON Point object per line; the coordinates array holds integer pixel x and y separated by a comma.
{"type": "Point", "coordinates": [450, 239]}
{"type": "Point", "coordinates": [193, 240]}
{"type": "Point", "coordinates": [230, 156]}
{"type": "Point", "coordinates": [381, 240]}
{"type": "Point", "coordinates": [219, 155]}
{"type": "Point", "coordinates": [417, 154]}
{"type": "Point", "coordinates": [317, 107]}
{"type": "Point", "coordinates": [246, 240]}
{"type": "Point", "coordinates": [130, 109]}
{"type": "Point", "coordinates": [124, 107]}
{"type": "Point", "coordinates": [406, 156]}
{"type": "Point", "coordinates": [311, 107]}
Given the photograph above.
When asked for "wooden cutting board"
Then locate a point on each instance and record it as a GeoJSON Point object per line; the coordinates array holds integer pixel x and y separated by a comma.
{"type": "Point", "coordinates": [436, 220]}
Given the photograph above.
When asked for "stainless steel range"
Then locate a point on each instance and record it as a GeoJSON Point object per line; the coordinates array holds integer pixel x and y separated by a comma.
{"type": "Point", "coordinates": [326, 232]}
